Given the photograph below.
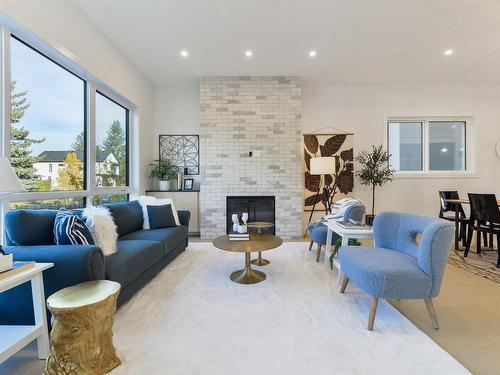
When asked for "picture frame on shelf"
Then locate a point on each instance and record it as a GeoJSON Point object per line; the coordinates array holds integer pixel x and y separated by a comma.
{"type": "Point", "coordinates": [188, 184]}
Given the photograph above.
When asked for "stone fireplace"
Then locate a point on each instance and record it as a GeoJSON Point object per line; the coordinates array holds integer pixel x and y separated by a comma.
{"type": "Point", "coordinates": [250, 145]}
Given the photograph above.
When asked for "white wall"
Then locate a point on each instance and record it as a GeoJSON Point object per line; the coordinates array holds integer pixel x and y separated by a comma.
{"type": "Point", "coordinates": [361, 109]}
{"type": "Point", "coordinates": [176, 111]}
{"type": "Point", "coordinates": [63, 25]}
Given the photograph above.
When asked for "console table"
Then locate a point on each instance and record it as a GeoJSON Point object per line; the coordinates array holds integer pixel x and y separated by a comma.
{"type": "Point", "coordinates": [14, 338]}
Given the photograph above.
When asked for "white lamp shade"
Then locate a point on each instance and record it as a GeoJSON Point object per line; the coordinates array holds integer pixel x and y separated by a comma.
{"type": "Point", "coordinates": [9, 183]}
{"type": "Point", "coordinates": [322, 165]}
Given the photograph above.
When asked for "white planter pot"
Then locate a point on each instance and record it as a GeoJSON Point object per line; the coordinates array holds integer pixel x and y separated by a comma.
{"type": "Point", "coordinates": [163, 185]}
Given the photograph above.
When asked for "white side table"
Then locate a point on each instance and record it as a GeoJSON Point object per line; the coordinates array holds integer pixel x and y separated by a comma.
{"type": "Point", "coordinates": [345, 234]}
{"type": "Point", "coordinates": [14, 338]}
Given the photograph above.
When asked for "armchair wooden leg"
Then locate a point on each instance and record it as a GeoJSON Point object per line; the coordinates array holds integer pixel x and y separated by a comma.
{"type": "Point", "coordinates": [311, 245]}
{"type": "Point", "coordinates": [373, 312]}
{"type": "Point", "coordinates": [318, 253]}
{"type": "Point", "coordinates": [432, 313]}
{"type": "Point", "coordinates": [345, 281]}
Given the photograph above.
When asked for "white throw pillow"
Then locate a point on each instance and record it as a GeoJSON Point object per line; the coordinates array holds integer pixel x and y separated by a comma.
{"type": "Point", "coordinates": [147, 200]}
{"type": "Point", "coordinates": [102, 227]}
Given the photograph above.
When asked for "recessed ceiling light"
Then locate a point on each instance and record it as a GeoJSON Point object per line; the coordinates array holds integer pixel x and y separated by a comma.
{"type": "Point", "coordinates": [184, 53]}
{"type": "Point", "coordinates": [448, 52]}
{"type": "Point", "coordinates": [248, 53]}
{"type": "Point", "coordinates": [312, 53]}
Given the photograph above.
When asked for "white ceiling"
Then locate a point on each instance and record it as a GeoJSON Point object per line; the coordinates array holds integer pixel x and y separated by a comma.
{"type": "Point", "coordinates": [356, 41]}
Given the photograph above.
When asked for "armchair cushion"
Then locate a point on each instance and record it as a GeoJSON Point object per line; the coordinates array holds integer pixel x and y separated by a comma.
{"type": "Point", "coordinates": [385, 273]}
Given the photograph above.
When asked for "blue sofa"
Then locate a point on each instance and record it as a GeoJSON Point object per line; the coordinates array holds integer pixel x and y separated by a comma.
{"type": "Point", "coordinates": [141, 255]}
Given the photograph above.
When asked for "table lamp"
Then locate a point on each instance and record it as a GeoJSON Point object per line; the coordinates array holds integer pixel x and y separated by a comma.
{"type": "Point", "coordinates": [321, 166]}
{"type": "Point", "coordinates": [9, 183]}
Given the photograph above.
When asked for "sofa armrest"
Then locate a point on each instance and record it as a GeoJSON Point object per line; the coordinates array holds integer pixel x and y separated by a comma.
{"type": "Point", "coordinates": [184, 216]}
{"type": "Point", "coordinates": [73, 264]}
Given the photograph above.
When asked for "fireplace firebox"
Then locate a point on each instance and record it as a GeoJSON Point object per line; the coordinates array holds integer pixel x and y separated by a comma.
{"type": "Point", "coordinates": [259, 208]}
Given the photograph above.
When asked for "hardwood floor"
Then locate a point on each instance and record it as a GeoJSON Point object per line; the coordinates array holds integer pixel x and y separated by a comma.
{"type": "Point", "coordinates": [468, 310]}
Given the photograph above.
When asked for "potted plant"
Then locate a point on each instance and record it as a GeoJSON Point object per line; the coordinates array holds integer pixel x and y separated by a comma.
{"type": "Point", "coordinates": [375, 171]}
{"type": "Point", "coordinates": [164, 171]}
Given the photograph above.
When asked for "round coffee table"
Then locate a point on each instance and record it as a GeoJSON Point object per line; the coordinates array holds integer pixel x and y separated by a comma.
{"type": "Point", "coordinates": [257, 242]}
{"type": "Point", "coordinates": [259, 225]}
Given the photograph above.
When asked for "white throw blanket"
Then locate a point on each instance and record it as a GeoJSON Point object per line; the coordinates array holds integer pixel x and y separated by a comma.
{"type": "Point", "coordinates": [339, 208]}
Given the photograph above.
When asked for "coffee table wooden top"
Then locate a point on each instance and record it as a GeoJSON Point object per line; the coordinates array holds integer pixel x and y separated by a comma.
{"type": "Point", "coordinates": [257, 242]}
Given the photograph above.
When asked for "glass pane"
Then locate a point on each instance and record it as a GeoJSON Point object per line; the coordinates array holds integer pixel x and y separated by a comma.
{"type": "Point", "coordinates": [447, 145]}
{"type": "Point", "coordinates": [54, 204]}
{"type": "Point", "coordinates": [405, 146]}
{"type": "Point", "coordinates": [47, 122]}
{"type": "Point", "coordinates": [110, 198]}
{"type": "Point", "coordinates": [111, 141]}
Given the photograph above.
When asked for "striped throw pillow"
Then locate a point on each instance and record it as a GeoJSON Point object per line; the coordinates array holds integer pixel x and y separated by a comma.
{"type": "Point", "coordinates": [69, 229]}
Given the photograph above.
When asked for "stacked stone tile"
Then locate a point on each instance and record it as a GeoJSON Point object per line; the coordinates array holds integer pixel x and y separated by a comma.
{"type": "Point", "coordinates": [243, 114]}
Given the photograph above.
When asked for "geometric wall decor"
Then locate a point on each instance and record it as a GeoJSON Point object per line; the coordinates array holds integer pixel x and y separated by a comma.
{"type": "Point", "coordinates": [341, 182]}
{"type": "Point", "coordinates": [183, 151]}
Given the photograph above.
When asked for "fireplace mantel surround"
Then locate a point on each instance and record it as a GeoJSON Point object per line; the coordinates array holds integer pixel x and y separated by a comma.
{"type": "Point", "coordinates": [250, 145]}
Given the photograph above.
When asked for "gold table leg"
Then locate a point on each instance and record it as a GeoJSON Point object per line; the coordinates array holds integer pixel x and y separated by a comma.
{"type": "Point", "coordinates": [260, 261]}
{"type": "Point", "coordinates": [247, 275]}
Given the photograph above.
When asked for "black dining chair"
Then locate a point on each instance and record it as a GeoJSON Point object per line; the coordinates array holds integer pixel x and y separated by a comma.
{"type": "Point", "coordinates": [461, 223]}
{"type": "Point", "coordinates": [485, 218]}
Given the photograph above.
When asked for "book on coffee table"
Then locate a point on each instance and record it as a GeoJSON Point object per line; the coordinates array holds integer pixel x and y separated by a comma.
{"type": "Point", "coordinates": [353, 225]}
{"type": "Point", "coordinates": [239, 236]}
{"type": "Point", "coordinates": [17, 267]}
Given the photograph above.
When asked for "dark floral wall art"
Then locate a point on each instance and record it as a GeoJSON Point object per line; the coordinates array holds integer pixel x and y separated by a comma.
{"type": "Point", "coordinates": [341, 182]}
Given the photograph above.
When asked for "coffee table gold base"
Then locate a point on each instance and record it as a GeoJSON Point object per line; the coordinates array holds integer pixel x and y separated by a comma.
{"type": "Point", "coordinates": [247, 275]}
{"type": "Point", "coordinates": [260, 261]}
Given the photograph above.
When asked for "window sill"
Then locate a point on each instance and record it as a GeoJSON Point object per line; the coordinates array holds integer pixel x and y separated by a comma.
{"type": "Point", "coordinates": [437, 175]}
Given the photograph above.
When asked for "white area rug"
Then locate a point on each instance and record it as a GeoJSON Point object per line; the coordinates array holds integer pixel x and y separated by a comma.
{"type": "Point", "coordinates": [191, 319]}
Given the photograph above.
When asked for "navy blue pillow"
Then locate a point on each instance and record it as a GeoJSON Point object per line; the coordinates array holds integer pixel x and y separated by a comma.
{"type": "Point", "coordinates": [69, 229]}
{"type": "Point", "coordinates": [161, 216]}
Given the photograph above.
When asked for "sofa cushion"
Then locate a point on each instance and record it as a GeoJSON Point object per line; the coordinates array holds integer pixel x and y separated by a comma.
{"type": "Point", "coordinates": [127, 216]}
{"type": "Point", "coordinates": [131, 260]}
{"type": "Point", "coordinates": [169, 237]}
{"type": "Point", "coordinates": [384, 273]}
{"type": "Point", "coordinates": [161, 216]}
{"type": "Point", "coordinates": [70, 229]}
{"type": "Point", "coordinates": [30, 227]}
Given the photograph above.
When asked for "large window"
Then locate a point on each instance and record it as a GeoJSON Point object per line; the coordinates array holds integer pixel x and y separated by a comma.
{"type": "Point", "coordinates": [68, 136]}
{"type": "Point", "coordinates": [47, 146]}
{"type": "Point", "coordinates": [111, 142]}
{"type": "Point", "coordinates": [427, 145]}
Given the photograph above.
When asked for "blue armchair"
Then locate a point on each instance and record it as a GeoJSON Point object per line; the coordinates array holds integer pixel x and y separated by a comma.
{"type": "Point", "coordinates": [318, 231]}
{"type": "Point", "coordinates": [408, 260]}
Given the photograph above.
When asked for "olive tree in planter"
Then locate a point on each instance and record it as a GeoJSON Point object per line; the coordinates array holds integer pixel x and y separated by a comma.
{"type": "Point", "coordinates": [375, 171]}
{"type": "Point", "coordinates": [164, 171]}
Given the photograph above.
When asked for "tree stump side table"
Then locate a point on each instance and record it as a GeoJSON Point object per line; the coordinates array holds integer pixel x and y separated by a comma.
{"type": "Point", "coordinates": [81, 339]}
